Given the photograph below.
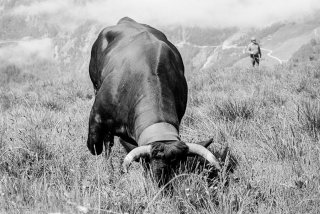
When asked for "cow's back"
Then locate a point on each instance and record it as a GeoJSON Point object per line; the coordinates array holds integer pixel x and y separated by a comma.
{"type": "Point", "coordinates": [113, 38]}
{"type": "Point", "coordinates": [138, 75]}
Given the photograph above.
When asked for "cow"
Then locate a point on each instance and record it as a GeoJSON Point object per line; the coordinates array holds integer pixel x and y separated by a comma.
{"type": "Point", "coordinates": [140, 96]}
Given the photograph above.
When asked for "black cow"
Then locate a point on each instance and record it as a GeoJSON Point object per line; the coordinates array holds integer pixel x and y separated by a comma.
{"type": "Point", "coordinates": [141, 96]}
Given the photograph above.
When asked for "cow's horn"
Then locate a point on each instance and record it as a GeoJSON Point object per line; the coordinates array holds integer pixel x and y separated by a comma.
{"type": "Point", "coordinates": [203, 152]}
{"type": "Point", "coordinates": [134, 154]}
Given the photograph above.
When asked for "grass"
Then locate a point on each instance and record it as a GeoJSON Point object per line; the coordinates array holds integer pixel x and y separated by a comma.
{"type": "Point", "coordinates": [309, 116]}
{"type": "Point", "coordinates": [268, 118]}
{"type": "Point", "coordinates": [232, 110]}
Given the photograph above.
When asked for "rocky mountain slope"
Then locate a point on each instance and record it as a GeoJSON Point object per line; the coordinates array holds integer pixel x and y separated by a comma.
{"type": "Point", "coordinates": [201, 48]}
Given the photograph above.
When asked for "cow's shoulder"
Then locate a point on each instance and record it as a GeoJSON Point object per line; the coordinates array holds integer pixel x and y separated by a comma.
{"type": "Point", "coordinates": [157, 33]}
{"type": "Point", "coordinates": [130, 27]}
{"type": "Point", "coordinates": [127, 27]}
{"type": "Point", "coordinates": [126, 19]}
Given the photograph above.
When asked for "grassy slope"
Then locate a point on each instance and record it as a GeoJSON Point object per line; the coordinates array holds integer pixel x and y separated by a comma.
{"type": "Point", "coordinates": [269, 118]}
{"type": "Point", "coordinates": [289, 39]}
{"type": "Point", "coordinates": [307, 52]}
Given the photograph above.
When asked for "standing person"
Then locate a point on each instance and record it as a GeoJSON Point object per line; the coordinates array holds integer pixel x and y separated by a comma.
{"type": "Point", "coordinates": [254, 51]}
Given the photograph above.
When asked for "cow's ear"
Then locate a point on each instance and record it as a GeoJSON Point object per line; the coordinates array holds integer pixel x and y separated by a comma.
{"type": "Point", "coordinates": [205, 143]}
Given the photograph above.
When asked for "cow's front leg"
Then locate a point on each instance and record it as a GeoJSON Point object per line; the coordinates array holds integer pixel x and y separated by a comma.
{"type": "Point", "coordinates": [108, 144]}
{"type": "Point", "coordinates": [97, 132]}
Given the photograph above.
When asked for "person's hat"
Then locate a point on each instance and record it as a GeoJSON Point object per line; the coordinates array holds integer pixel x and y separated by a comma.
{"type": "Point", "coordinates": [253, 39]}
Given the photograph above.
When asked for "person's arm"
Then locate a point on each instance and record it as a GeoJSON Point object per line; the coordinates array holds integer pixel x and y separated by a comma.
{"type": "Point", "coordinates": [259, 51]}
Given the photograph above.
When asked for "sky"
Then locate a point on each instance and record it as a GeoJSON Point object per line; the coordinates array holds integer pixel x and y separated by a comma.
{"type": "Point", "coordinates": [203, 13]}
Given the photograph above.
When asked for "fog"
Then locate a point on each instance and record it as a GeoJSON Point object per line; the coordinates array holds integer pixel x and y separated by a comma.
{"type": "Point", "coordinates": [203, 13]}
{"type": "Point", "coordinates": [68, 14]}
{"type": "Point", "coordinates": [26, 52]}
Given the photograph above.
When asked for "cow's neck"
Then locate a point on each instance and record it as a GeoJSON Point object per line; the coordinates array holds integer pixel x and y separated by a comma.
{"type": "Point", "coordinates": [155, 121]}
{"type": "Point", "coordinates": [158, 132]}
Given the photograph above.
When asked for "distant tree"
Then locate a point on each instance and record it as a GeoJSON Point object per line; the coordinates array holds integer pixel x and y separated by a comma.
{"type": "Point", "coordinates": [313, 42]}
{"type": "Point", "coordinates": [307, 52]}
{"type": "Point", "coordinates": [9, 73]}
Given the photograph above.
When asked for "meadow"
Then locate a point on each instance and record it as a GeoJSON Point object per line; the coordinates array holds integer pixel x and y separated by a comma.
{"type": "Point", "coordinates": [268, 118]}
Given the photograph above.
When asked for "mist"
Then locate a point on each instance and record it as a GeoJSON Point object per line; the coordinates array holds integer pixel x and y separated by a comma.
{"type": "Point", "coordinates": [27, 52]}
{"type": "Point", "coordinates": [204, 13]}
{"type": "Point", "coordinates": [69, 14]}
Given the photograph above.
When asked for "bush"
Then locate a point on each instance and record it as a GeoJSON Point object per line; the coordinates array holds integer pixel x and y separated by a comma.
{"type": "Point", "coordinates": [12, 73]}
{"type": "Point", "coordinates": [53, 105]}
{"type": "Point", "coordinates": [309, 117]}
{"type": "Point", "coordinates": [232, 110]}
{"type": "Point", "coordinates": [27, 161]}
{"type": "Point", "coordinates": [5, 102]}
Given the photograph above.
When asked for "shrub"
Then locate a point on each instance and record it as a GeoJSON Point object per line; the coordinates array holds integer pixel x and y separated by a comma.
{"type": "Point", "coordinates": [9, 73]}
{"type": "Point", "coordinates": [53, 105]}
{"type": "Point", "coordinates": [28, 161]}
{"type": "Point", "coordinates": [12, 73]}
{"type": "Point", "coordinates": [232, 110]}
{"type": "Point", "coordinates": [309, 117]}
{"type": "Point", "coordinates": [5, 102]}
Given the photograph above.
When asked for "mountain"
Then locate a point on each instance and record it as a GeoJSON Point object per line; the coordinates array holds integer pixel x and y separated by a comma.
{"type": "Point", "coordinates": [279, 43]}
{"type": "Point", "coordinates": [201, 48]}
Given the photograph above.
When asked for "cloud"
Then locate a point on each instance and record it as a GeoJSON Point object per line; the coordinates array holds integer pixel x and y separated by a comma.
{"type": "Point", "coordinates": [44, 7]}
{"type": "Point", "coordinates": [26, 51]}
{"type": "Point", "coordinates": [214, 13]}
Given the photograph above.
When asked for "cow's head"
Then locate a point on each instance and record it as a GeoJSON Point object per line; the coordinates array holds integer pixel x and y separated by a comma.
{"type": "Point", "coordinates": [166, 155]}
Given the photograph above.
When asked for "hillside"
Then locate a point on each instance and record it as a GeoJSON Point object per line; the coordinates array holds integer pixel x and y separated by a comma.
{"type": "Point", "coordinates": [269, 120]}
{"type": "Point", "coordinates": [201, 48]}
{"type": "Point", "coordinates": [308, 52]}
{"type": "Point", "coordinates": [265, 123]}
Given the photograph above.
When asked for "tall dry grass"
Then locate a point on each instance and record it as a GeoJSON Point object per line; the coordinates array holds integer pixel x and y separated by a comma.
{"type": "Point", "coordinates": [268, 119]}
